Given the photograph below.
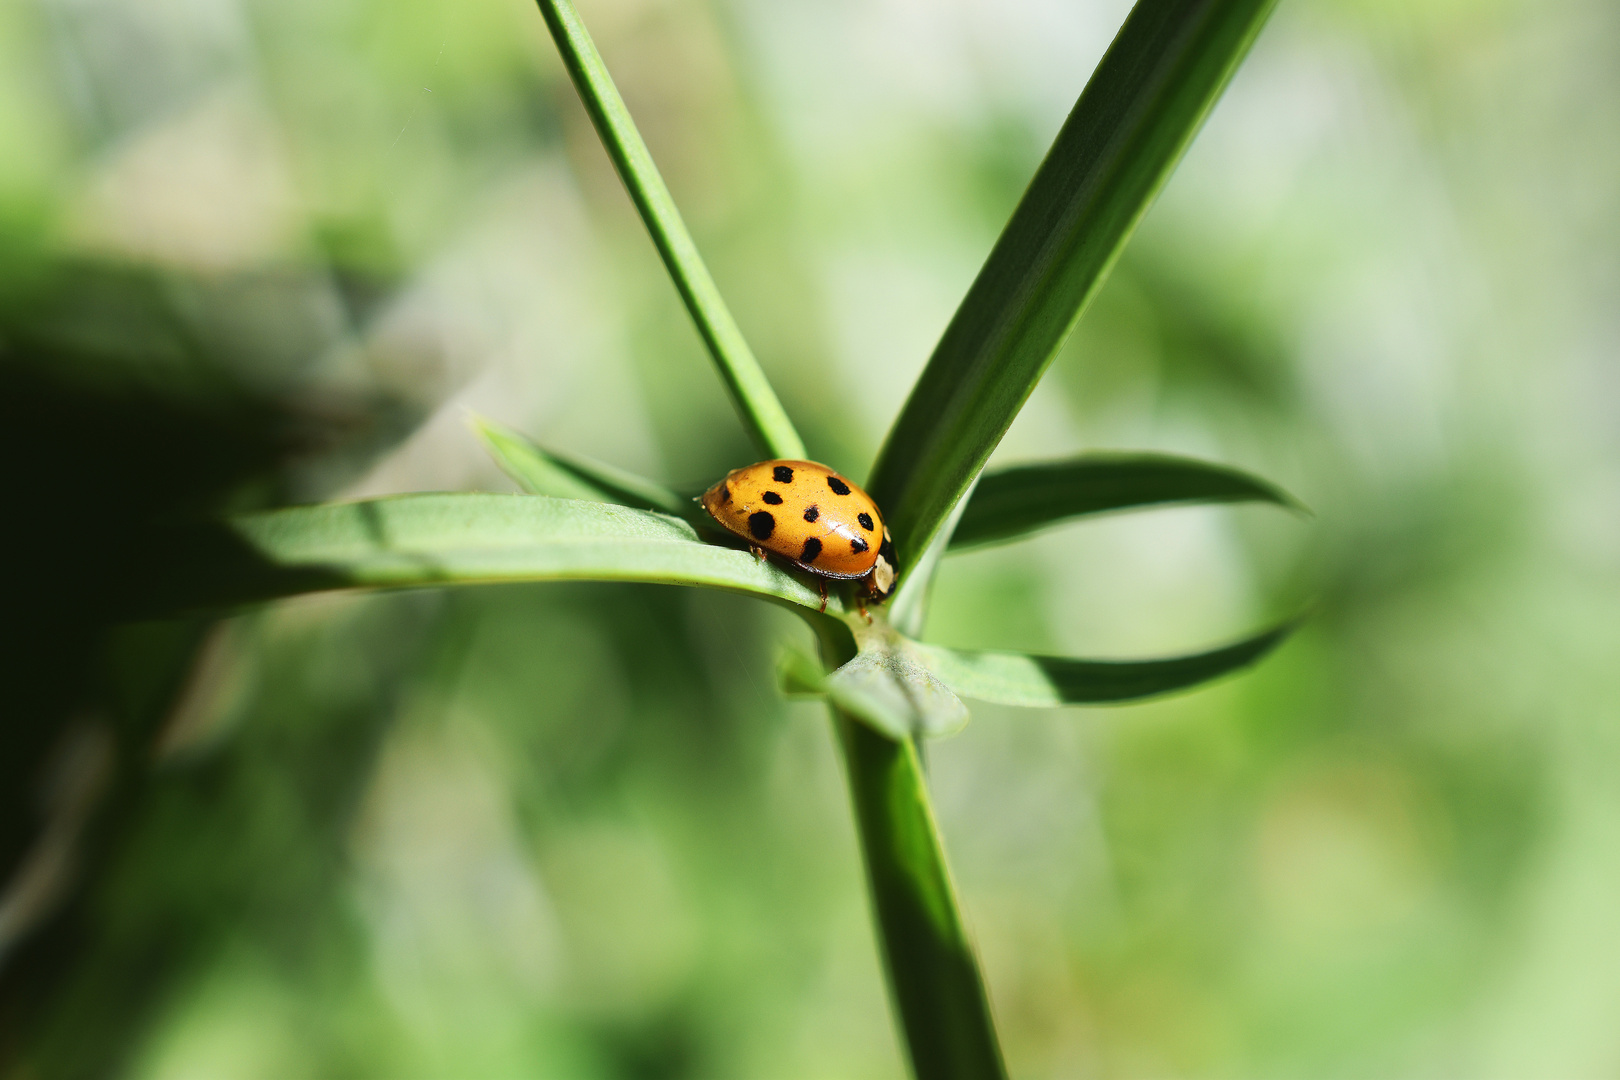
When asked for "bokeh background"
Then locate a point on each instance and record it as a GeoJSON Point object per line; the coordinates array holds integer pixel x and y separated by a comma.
{"type": "Point", "coordinates": [254, 252]}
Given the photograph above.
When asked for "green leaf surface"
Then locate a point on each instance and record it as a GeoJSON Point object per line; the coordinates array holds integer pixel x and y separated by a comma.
{"type": "Point", "coordinates": [933, 974]}
{"type": "Point", "coordinates": [751, 393]}
{"type": "Point", "coordinates": [895, 694]}
{"type": "Point", "coordinates": [453, 539]}
{"type": "Point", "coordinates": [1144, 103]}
{"type": "Point", "coordinates": [1042, 681]}
{"type": "Point", "coordinates": [564, 476]}
{"type": "Point", "coordinates": [1011, 503]}
{"type": "Point", "coordinates": [799, 676]}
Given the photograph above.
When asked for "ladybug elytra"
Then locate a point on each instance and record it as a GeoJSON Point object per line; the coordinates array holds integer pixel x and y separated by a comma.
{"type": "Point", "coordinates": [811, 516]}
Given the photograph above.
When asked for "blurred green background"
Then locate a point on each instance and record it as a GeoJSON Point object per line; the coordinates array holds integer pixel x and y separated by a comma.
{"type": "Point", "coordinates": [254, 252]}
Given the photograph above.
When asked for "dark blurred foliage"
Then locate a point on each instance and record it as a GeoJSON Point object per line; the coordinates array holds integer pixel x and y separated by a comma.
{"type": "Point", "coordinates": [119, 418]}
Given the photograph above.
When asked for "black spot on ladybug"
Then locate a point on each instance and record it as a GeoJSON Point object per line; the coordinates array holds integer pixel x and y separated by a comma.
{"type": "Point", "coordinates": [858, 545]}
{"type": "Point", "coordinates": [812, 548]}
{"type": "Point", "coordinates": [838, 486]}
{"type": "Point", "coordinates": [761, 524]}
{"type": "Point", "coordinates": [725, 493]}
{"type": "Point", "coordinates": [783, 474]}
{"type": "Point", "coordinates": [865, 520]}
{"type": "Point", "coordinates": [773, 498]}
{"type": "Point", "coordinates": [811, 513]}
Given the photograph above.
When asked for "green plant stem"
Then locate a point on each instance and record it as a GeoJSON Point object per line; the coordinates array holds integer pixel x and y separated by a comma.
{"type": "Point", "coordinates": [751, 393]}
{"type": "Point", "coordinates": [932, 972]}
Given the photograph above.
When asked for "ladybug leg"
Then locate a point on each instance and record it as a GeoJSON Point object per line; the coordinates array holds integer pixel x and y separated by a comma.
{"type": "Point", "coordinates": [821, 583]}
{"type": "Point", "coordinates": [759, 552]}
{"type": "Point", "coordinates": [860, 605]}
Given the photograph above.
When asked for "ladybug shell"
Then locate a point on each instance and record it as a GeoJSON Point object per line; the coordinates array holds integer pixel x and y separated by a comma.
{"type": "Point", "coordinates": [808, 514]}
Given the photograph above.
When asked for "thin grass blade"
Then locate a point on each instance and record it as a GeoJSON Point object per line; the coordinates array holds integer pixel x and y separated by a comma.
{"type": "Point", "coordinates": [566, 476]}
{"type": "Point", "coordinates": [1042, 681]}
{"type": "Point", "coordinates": [1144, 103]}
{"type": "Point", "coordinates": [1012, 503]}
{"type": "Point", "coordinates": [454, 539]}
{"type": "Point", "coordinates": [751, 393]}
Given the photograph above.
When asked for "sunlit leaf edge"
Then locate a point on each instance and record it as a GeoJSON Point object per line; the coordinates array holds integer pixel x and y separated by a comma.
{"type": "Point", "coordinates": [424, 540]}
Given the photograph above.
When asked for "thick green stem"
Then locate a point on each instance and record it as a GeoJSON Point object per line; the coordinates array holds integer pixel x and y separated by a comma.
{"type": "Point", "coordinates": [932, 971]}
{"type": "Point", "coordinates": [751, 393]}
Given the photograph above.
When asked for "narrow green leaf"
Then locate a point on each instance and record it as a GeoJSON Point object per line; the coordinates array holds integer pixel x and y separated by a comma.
{"type": "Point", "coordinates": [457, 539]}
{"type": "Point", "coordinates": [1011, 503]}
{"type": "Point", "coordinates": [1136, 116]}
{"type": "Point", "coordinates": [908, 608]}
{"type": "Point", "coordinates": [751, 393]}
{"type": "Point", "coordinates": [1039, 681]}
{"type": "Point", "coordinates": [546, 472]}
{"type": "Point", "coordinates": [892, 692]}
{"type": "Point", "coordinates": [933, 974]}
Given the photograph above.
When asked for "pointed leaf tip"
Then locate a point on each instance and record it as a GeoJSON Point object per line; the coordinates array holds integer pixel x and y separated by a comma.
{"type": "Point", "coordinates": [539, 471]}
{"type": "Point", "coordinates": [1008, 678]}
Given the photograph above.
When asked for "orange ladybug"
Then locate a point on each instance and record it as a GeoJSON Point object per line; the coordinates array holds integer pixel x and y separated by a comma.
{"type": "Point", "coordinates": [812, 517]}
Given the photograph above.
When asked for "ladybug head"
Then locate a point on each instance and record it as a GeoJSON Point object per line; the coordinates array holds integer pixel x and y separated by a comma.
{"type": "Point", "coordinates": [880, 582]}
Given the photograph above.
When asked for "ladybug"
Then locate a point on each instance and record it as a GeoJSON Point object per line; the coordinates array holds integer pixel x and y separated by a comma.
{"type": "Point", "coordinates": [810, 516]}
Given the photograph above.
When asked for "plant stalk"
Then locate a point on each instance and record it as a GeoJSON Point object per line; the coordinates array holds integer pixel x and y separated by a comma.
{"type": "Point", "coordinates": [756, 403]}
{"type": "Point", "coordinates": [933, 973]}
